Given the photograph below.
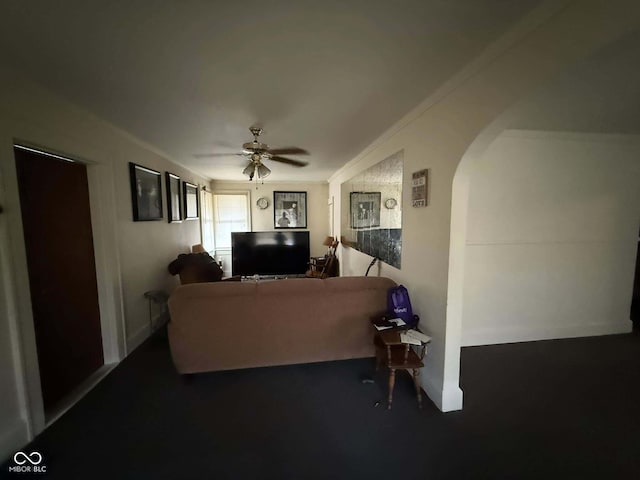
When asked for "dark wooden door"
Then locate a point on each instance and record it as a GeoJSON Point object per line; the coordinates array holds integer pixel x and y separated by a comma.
{"type": "Point", "coordinates": [54, 198]}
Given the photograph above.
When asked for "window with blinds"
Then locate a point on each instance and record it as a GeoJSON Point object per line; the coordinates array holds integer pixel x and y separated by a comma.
{"type": "Point", "coordinates": [232, 213]}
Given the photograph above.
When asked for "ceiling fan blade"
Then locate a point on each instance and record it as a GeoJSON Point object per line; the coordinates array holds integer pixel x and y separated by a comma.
{"type": "Point", "coordinates": [288, 151]}
{"type": "Point", "coordinates": [289, 161]}
{"type": "Point", "coordinates": [211, 155]}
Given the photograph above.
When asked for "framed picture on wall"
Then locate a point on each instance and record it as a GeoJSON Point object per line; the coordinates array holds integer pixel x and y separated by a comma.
{"type": "Point", "coordinates": [289, 210]}
{"type": "Point", "coordinates": [174, 202]}
{"type": "Point", "coordinates": [419, 188]}
{"type": "Point", "coordinates": [365, 209]}
{"type": "Point", "coordinates": [191, 201]}
{"type": "Point", "coordinates": [146, 193]}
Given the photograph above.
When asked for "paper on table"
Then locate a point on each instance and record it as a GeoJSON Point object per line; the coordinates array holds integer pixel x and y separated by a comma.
{"type": "Point", "coordinates": [414, 337]}
{"type": "Point", "coordinates": [419, 336]}
{"type": "Point", "coordinates": [398, 321]}
{"type": "Point", "coordinates": [382, 327]}
{"type": "Point", "coordinates": [405, 338]}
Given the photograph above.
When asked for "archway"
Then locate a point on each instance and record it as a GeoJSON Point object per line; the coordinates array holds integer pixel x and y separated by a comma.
{"type": "Point", "coordinates": [598, 94]}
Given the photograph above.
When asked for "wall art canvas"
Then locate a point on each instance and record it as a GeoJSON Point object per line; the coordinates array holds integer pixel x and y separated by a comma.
{"type": "Point", "coordinates": [289, 210]}
{"type": "Point", "coordinates": [365, 209]}
{"type": "Point", "coordinates": [146, 193]}
{"type": "Point", "coordinates": [174, 199]}
{"type": "Point", "coordinates": [191, 201]}
{"type": "Point", "coordinates": [419, 188]}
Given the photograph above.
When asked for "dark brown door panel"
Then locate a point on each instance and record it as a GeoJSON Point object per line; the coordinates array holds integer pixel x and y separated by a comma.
{"type": "Point", "coordinates": [54, 198]}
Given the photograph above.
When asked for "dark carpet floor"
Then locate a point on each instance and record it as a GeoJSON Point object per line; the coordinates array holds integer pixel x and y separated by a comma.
{"type": "Point", "coordinates": [566, 409]}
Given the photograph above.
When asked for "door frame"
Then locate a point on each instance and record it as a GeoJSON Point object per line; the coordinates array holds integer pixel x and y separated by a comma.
{"type": "Point", "coordinates": [108, 274]}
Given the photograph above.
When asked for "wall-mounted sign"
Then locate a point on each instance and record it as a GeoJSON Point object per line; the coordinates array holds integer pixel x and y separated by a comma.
{"type": "Point", "coordinates": [419, 192]}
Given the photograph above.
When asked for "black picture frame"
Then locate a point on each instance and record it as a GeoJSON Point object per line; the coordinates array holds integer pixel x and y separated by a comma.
{"type": "Point", "coordinates": [146, 193]}
{"type": "Point", "coordinates": [289, 210]}
{"type": "Point", "coordinates": [191, 201]}
{"type": "Point", "coordinates": [174, 198]}
{"type": "Point", "coordinates": [364, 208]}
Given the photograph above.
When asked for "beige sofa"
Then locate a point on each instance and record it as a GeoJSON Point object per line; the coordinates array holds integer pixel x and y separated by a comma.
{"type": "Point", "coordinates": [229, 325]}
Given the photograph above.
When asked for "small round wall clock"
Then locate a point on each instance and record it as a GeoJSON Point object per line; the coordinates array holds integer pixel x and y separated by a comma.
{"type": "Point", "coordinates": [390, 203]}
{"type": "Point", "coordinates": [262, 203]}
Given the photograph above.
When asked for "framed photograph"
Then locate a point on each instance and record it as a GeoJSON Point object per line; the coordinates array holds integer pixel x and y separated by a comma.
{"type": "Point", "coordinates": [419, 188]}
{"type": "Point", "coordinates": [146, 193]}
{"type": "Point", "coordinates": [365, 209]}
{"type": "Point", "coordinates": [174, 203]}
{"type": "Point", "coordinates": [191, 201]}
{"type": "Point", "coordinates": [289, 210]}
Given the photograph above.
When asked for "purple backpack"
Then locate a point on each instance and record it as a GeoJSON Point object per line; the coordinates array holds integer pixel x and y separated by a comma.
{"type": "Point", "coordinates": [398, 304]}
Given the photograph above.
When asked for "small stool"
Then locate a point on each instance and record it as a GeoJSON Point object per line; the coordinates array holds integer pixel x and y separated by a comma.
{"type": "Point", "coordinates": [398, 356]}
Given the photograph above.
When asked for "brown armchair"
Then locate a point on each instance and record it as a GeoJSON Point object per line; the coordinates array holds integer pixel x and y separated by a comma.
{"type": "Point", "coordinates": [196, 268]}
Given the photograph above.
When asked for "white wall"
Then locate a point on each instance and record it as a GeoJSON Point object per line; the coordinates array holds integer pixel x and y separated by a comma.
{"type": "Point", "coordinates": [551, 237]}
{"type": "Point", "coordinates": [147, 248]}
{"type": "Point", "coordinates": [131, 258]}
{"type": "Point", "coordinates": [262, 220]}
{"type": "Point", "coordinates": [437, 134]}
{"type": "Point", "coordinates": [12, 413]}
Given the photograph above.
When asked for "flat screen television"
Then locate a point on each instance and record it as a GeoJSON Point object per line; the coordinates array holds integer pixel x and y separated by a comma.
{"type": "Point", "coordinates": [269, 253]}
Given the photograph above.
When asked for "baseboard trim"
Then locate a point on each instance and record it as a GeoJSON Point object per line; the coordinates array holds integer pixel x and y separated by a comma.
{"type": "Point", "coordinates": [452, 398]}
{"type": "Point", "coordinates": [139, 336]}
{"type": "Point", "coordinates": [447, 399]}
{"type": "Point", "coordinates": [76, 395]}
{"type": "Point", "coordinates": [12, 439]}
{"type": "Point", "coordinates": [492, 336]}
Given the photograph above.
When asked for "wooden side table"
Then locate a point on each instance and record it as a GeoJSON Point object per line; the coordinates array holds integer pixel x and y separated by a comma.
{"type": "Point", "coordinates": [398, 356]}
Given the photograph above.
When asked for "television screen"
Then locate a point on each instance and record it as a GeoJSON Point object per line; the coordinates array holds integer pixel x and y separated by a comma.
{"type": "Point", "coordinates": [269, 253]}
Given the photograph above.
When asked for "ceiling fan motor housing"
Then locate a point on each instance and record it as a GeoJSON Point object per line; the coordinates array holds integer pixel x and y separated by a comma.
{"type": "Point", "coordinates": [255, 147]}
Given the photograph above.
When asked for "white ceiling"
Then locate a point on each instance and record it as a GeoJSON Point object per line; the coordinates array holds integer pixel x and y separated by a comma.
{"type": "Point", "coordinates": [190, 77]}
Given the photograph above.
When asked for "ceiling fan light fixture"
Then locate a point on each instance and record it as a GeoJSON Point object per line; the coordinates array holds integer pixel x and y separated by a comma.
{"type": "Point", "coordinates": [249, 170]}
{"type": "Point", "coordinates": [263, 171]}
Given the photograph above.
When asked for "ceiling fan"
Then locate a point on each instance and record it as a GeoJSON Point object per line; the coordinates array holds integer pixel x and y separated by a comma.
{"type": "Point", "coordinates": [256, 152]}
